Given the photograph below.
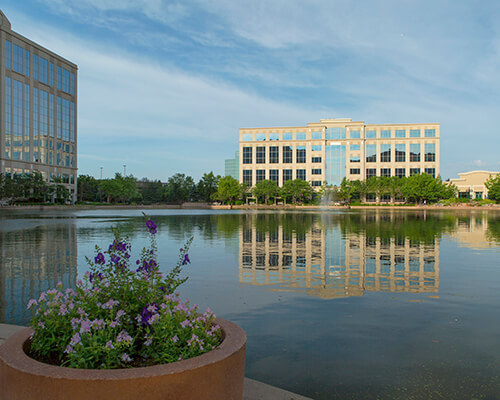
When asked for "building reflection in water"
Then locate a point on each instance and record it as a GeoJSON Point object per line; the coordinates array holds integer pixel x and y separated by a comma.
{"type": "Point", "coordinates": [34, 260]}
{"type": "Point", "coordinates": [330, 263]}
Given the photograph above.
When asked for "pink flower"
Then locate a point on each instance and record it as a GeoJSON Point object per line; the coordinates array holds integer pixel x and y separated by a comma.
{"type": "Point", "coordinates": [32, 303]}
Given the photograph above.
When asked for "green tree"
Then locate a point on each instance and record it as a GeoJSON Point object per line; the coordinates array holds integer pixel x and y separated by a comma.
{"type": "Point", "coordinates": [151, 191]}
{"type": "Point", "coordinates": [228, 190]}
{"type": "Point", "coordinates": [88, 188]}
{"type": "Point", "coordinates": [493, 185]}
{"type": "Point", "coordinates": [266, 189]}
{"type": "Point", "coordinates": [120, 189]}
{"type": "Point", "coordinates": [61, 192]}
{"type": "Point", "coordinates": [346, 190]}
{"type": "Point", "coordinates": [424, 187]}
{"type": "Point", "coordinates": [207, 186]}
{"type": "Point", "coordinates": [179, 189]}
{"type": "Point", "coordinates": [297, 190]}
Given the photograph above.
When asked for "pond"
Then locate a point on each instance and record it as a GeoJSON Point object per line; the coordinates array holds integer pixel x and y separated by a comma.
{"type": "Point", "coordinates": [358, 304]}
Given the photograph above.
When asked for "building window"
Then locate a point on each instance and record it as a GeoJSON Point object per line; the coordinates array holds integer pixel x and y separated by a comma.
{"type": "Point", "coordinates": [371, 153]}
{"type": "Point", "coordinates": [287, 154]}
{"type": "Point", "coordinates": [274, 155]}
{"type": "Point", "coordinates": [301, 154]}
{"type": "Point", "coordinates": [260, 175]}
{"type": "Point", "coordinates": [430, 152]}
{"type": "Point", "coordinates": [260, 137]}
{"type": "Point", "coordinates": [335, 133]}
{"type": "Point", "coordinates": [400, 172]}
{"type": "Point", "coordinates": [287, 175]}
{"type": "Point", "coordinates": [300, 136]}
{"type": "Point", "coordinates": [247, 155]}
{"type": "Point", "coordinates": [355, 134]}
{"type": "Point", "coordinates": [430, 133]}
{"type": "Point", "coordinates": [400, 133]}
{"type": "Point", "coordinates": [316, 171]}
{"type": "Point", "coordinates": [371, 197]}
{"type": "Point", "coordinates": [371, 134]}
{"type": "Point", "coordinates": [59, 79]}
{"type": "Point", "coordinates": [354, 147]}
{"type": "Point", "coordinates": [51, 74]}
{"type": "Point", "coordinates": [287, 136]}
{"type": "Point", "coordinates": [274, 136]}
{"type": "Point", "coordinates": [300, 174]}
{"type": "Point", "coordinates": [355, 171]}
{"type": "Point", "coordinates": [72, 84]}
{"type": "Point", "coordinates": [414, 133]}
{"type": "Point", "coordinates": [414, 171]}
{"type": "Point", "coordinates": [8, 54]}
{"type": "Point", "coordinates": [370, 172]}
{"type": "Point", "coordinates": [479, 195]}
{"type": "Point", "coordinates": [316, 147]}
{"type": "Point", "coordinates": [415, 152]}
{"type": "Point", "coordinates": [247, 137]}
{"type": "Point", "coordinates": [431, 172]}
{"type": "Point", "coordinates": [385, 133]}
{"type": "Point", "coordinates": [385, 172]}
{"type": "Point", "coordinates": [400, 152]}
{"type": "Point", "coordinates": [317, 135]}
{"type": "Point", "coordinates": [35, 67]}
{"type": "Point", "coordinates": [273, 175]}
{"type": "Point", "coordinates": [316, 183]}
{"type": "Point", "coordinates": [44, 70]}
{"type": "Point", "coordinates": [316, 159]}
{"type": "Point", "coordinates": [247, 176]}
{"type": "Point", "coordinates": [355, 159]}
{"type": "Point", "coordinates": [26, 62]}
{"type": "Point", "coordinates": [260, 155]}
{"type": "Point", "coordinates": [385, 153]}
{"type": "Point", "coordinates": [18, 59]}
{"type": "Point", "coordinates": [65, 80]}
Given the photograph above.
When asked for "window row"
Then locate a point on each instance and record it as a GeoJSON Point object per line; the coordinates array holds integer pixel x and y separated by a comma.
{"type": "Point", "coordinates": [400, 153]}
{"type": "Point", "coordinates": [273, 154]}
{"type": "Point", "coordinates": [19, 60]}
{"type": "Point", "coordinates": [340, 133]}
{"type": "Point", "coordinates": [286, 175]}
{"type": "Point", "coordinates": [398, 172]}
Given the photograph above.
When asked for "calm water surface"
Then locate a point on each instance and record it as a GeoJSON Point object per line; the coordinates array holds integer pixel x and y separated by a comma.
{"type": "Point", "coordinates": [336, 305]}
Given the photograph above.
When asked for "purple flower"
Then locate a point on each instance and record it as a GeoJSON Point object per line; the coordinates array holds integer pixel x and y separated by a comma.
{"type": "Point", "coordinates": [147, 314]}
{"type": "Point", "coordinates": [96, 275]}
{"type": "Point", "coordinates": [109, 345]}
{"type": "Point", "coordinates": [123, 336]}
{"type": "Point", "coordinates": [126, 357]}
{"type": "Point", "coordinates": [151, 226]}
{"type": "Point", "coordinates": [186, 259]}
{"type": "Point", "coordinates": [99, 259]}
{"type": "Point", "coordinates": [31, 303]}
{"type": "Point", "coordinates": [115, 259]}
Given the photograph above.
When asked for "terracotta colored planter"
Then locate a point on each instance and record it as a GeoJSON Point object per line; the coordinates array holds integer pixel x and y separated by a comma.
{"type": "Point", "coordinates": [217, 375]}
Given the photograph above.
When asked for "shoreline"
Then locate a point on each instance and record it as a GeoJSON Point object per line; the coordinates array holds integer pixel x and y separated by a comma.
{"type": "Point", "coordinates": [206, 206]}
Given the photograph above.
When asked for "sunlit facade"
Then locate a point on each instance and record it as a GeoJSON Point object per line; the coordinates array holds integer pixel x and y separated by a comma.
{"type": "Point", "coordinates": [325, 152]}
{"type": "Point", "coordinates": [38, 109]}
{"type": "Point", "coordinates": [471, 185]}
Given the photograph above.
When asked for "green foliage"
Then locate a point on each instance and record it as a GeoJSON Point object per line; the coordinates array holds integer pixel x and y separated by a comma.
{"type": "Point", "coordinates": [120, 189]}
{"type": "Point", "coordinates": [207, 186]}
{"type": "Point", "coordinates": [493, 185]}
{"type": "Point", "coordinates": [228, 189]}
{"type": "Point", "coordinates": [150, 191]}
{"type": "Point", "coordinates": [88, 188]}
{"type": "Point", "coordinates": [179, 189]}
{"type": "Point", "coordinates": [266, 189]}
{"type": "Point", "coordinates": [297, 191]}
{"type": "Point", "coordinates": [119, 317]}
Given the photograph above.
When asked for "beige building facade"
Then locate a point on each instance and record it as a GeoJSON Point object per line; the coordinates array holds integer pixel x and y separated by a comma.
{"type": "Point", "coordinates": [325, 152]}
{"type": "Point", "coordinates": [38, 109]}
{"type": "Point", "coordinates": [471, 184]}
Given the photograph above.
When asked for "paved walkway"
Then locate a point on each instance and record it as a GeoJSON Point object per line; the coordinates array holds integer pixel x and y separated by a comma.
{"type": "Point", "coordinates": [253, 390]}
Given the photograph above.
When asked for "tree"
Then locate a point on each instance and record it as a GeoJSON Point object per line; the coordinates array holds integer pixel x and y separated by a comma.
{"type": "Point", "coordinates": [88, 188]}
{"type": "Point", "coordinates": [493, 185]}
{"type": "Point", "coordinates": [120, 189]}
{"type": "Point", "coordinates": [61, 192]}
{"type": "Point", "coordinates": [298, 190]}
{"type": "Point", "coordinates": [228, 189]}
{"type": "Point", "coordinates": [266, 189]}
{"type": "Point", "coordinates": [179, 189]}
{"type": "Point", "coordinates": [424, 187]}
{"type": "Point", "coordinates": [207, 186]}
{"type": "Point", "coordinates": [346, 190]}
{"type": "Point", "coordinates": [151, 191]}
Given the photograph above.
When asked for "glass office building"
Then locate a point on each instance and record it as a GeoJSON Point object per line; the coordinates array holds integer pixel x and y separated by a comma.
{"type": "Point", "coordinates": [328, 151]}
{"type": "Point", "coordinates": [38, 110]}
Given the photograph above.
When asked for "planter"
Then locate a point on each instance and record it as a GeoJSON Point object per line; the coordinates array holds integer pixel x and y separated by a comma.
{"type": "Point", "coordinates": [218, 374]}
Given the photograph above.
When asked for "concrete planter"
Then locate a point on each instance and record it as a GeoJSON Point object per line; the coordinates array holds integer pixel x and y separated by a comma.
{"type": "Point", "coordinates": [218, 374]}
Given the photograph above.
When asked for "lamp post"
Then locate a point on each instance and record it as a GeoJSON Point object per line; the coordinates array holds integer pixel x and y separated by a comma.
{"type": "Point", "coordinates": [101, 173]}
{"type": "Point", "coordinates": [124, 170]}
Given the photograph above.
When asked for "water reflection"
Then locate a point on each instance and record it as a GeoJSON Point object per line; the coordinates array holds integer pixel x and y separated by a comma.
{"type": "Point", "coordinates": [331, 258]}
{"type": "Point", "coordinates": [34, 259]}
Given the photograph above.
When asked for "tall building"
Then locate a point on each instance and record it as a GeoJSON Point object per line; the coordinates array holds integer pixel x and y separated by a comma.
{"type": "Point", "coordinates": [329, 150]}
{"type": "Point", "coordinates": [231, 166]}
{"type": "Point", "coordinates": [38, 109]}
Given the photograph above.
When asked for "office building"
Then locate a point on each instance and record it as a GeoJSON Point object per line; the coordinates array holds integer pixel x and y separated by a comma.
{"type": "Point", "coordinates": [471, 185]}
{"type": "Point", "coordinates": [327, 151]}
{"type": "Point", "coordinates": [38, 110]}
{"type": "Point", "coordinates": [231, 166]}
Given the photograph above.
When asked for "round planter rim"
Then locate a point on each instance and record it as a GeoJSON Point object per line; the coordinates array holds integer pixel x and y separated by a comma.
{"type": "Point", "coordinates": [12, 353]}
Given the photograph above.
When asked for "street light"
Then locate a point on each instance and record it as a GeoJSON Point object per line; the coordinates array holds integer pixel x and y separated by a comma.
{"type": "Point", "coordinates": [124, 170]}
{"type": "Point", "coordinates": [101, 173]}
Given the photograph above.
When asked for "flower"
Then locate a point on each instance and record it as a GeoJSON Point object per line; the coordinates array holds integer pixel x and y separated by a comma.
{"type": "Point", "coordinates": [117, 314]}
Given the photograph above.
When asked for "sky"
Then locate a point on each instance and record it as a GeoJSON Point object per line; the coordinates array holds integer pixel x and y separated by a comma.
{"type": "Point", "coordinates": [164, 86]}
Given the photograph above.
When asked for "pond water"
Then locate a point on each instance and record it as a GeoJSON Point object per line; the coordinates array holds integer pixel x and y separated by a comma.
{"type": "Point", "coordinates": [361, 304]}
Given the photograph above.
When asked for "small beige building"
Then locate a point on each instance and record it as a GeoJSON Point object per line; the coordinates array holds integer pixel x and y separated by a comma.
{"type": "Point", "coordinates": [471, 184]}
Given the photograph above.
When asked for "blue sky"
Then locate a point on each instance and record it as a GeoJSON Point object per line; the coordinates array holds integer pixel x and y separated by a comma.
{"type": "Point", "coordinates": [164, 86]}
